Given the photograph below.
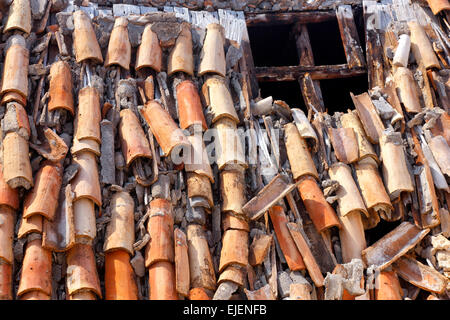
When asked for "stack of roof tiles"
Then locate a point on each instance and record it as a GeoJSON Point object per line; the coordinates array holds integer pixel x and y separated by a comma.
{"type": "Point", "coordinates": [106, 174]}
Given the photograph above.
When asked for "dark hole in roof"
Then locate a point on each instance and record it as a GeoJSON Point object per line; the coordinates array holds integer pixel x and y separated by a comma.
{"type": "Point", "coordinates": [273, 46]}
{"type": "Point", "coordinates": [336, 92]}
{"type": "Point", "coordinates": [288, 91]}
{"type": "Point", "coordinates": [326, 43]}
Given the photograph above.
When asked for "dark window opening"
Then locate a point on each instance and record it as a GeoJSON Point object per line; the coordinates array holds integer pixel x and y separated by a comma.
{"type": "Point", "coordinates": [326, 43]}
{"type": "Point", "coordinates": [336, 92]}
{"type": "Point", "coordinates": [273, 46]}
{"type": "Point", "coordinates": [288, 91]}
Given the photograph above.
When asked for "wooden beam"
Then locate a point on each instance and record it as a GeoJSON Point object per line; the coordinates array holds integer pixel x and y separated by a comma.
{"type": "Point", "coordinates": [311, 92]}
{"type": "Point", "coordinates": [292, 73]}
{"type": "Point", "coordinates": [374, 49]}
{"type": "Point", "coordinates": [349, 36]}
{"type": "Point", "coordinates": [247, 65]}
{"type": "Point", "coordinates": [272, 19]}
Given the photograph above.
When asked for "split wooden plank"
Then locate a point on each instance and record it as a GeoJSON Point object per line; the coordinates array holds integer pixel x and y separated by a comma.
{"type": "Point", "coordinates": [349, 36]}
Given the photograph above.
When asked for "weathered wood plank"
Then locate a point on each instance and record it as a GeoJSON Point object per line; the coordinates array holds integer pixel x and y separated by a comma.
{"type": "Point", "coordinates": [292, 73]}
{"type": "Point", "coordinates": [288, 18]}
{"type": "Point", "coordinates": [311, 92]}
{"type": "Point", "coordinates": [349, 36]}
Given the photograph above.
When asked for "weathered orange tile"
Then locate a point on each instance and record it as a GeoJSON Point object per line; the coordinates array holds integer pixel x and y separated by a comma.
{"type": "Point", "coordinates": [120, 230]}
{"type": "Point", "coordinates": [162, 281]}
{"type": "Point", "coordinates": [59, 235]}
{"type": "Point", "coordinates": [164, 128]}
{"type": "Point", "coordinates": [420, 275]}
{"type": "Point", "coordinates": [441, 153]}
{"type": "Point", "coordinates": [15, 70]}
{"type": "Point", "coordinates": [21, 119]}
{"type": "Point", "coordinates": [287, 244]}
{"type": "Point", "coordinates": [351, 234]}
{"type": "Point", "coordinates": [300, 291]}
{"type": "Point", "coordinates": [344, 144]}
{"type": "Point", "coordinates": [190, 110]}
{"type": "Point", "coordinates": [84, 145]}
{"type": "Point", "coordinates": [408, 90]}
{"type": "Point", "coordinates": [43, 198]}
{"type": "Point", "coordinates": [35, 295]}
{"type": "Point", "coordinates": [199, 186]}
{"type": "Point", "coordinates": [350, 120]}
{"type": "Point", "coordinates": [7, 223]}
{"type": "Point", "coordinates": [29, 225]}
{"type": "Point", "coordinates": [200, 261]}
{"type": "Point", "coordinates": [16, 161]}
{"type": "Point", "coordinates": [280, 186]}
{"type": "Point", "coordinates": [19, 16]}
{"type": "Point", "coordinates": [421, 46]}
{"type": "Point", "coordinates": [84, 40]}
{"type": "Point", "coordinates": [13, 96]}
{"type": "Point", "coordinates": [393, 245]}
{"type": "Point", "coordinates": [396, 176]}
{"type": "Point", "coordinates": [228, 145]}
{"type": "Point", "coordinates": [119, 47]}
{"type": "Point", "coordinates": [232, 221]}
{"type": "Point", "coordinates": [437, 6]}
{"type": "Point", "coordinates": [160, 228]}
{"type": "Point", "coordinates": [60, 87]}
{"type": "Point", "coordinates": [232, 187]}
{"type": "Point", "coordinates": [298, 154]}
{"type": "Point", "coordinates": [212, 57]}
{"type": "Point", "coordinates": [53, 147]}
{"type": "Point", "coordinates": [82, 295]}
{"type": "Point", "coordinates": [149, 53]}
{"type": "Point", "coordinates": [232, 274]}
{"type": "Point", "coordinates": [36, 269]}
{"type": "Point", "coordinates": [442, 127]}
{"type": "Point", "coordinates": [308, 258]}
{"type": "Point", "coordinates": [198, 294]}
{"type": "Point", "coordinates": [372, 188]}
{"type": "Point", "coordinates": [84, 225]}
{"type": "Point", "coordinates": [234, 249]}
{"type": "Point", "coordinates": [198, 161]}
{"type": "Point", "coordinates": [86, 183]}
{"type": "Point", "coordinates": [216, 95]}
{"type": "Point", "coordinates": [8, 196]}
{"type": "Point", "coordinates": [303, 125]}
{"type": "Point", "coordinates": [349, 198]}
{"type": "Point", "coordinates": [319, 210]}
{"type": "Point", "coordinates": [387, 286]}
{"type": "Point", "coordinates": [5, 280]}
{"type": "Point", "coordinates": [373, 126]}
{"type": "Point", "coordinates": [120, 282]}
{"type": "Point", "coordinates": [181, 58]}
{"type": "Point", "coordinates": [88, 117]}
{"type": "Point", "coordinates": [82, 270]}
{"type": "Point", "coordinates": [182, 268]}
{"type": "Point", "coordinates": [259, 248]}
{"type": "Point", "coordinates": [263, 293]}
{"type": "Point", "coordinates": [133, 140]}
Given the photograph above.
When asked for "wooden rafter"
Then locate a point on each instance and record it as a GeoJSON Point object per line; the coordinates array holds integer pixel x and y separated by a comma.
{"type": "Point", "coordinates": [292, 73]}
